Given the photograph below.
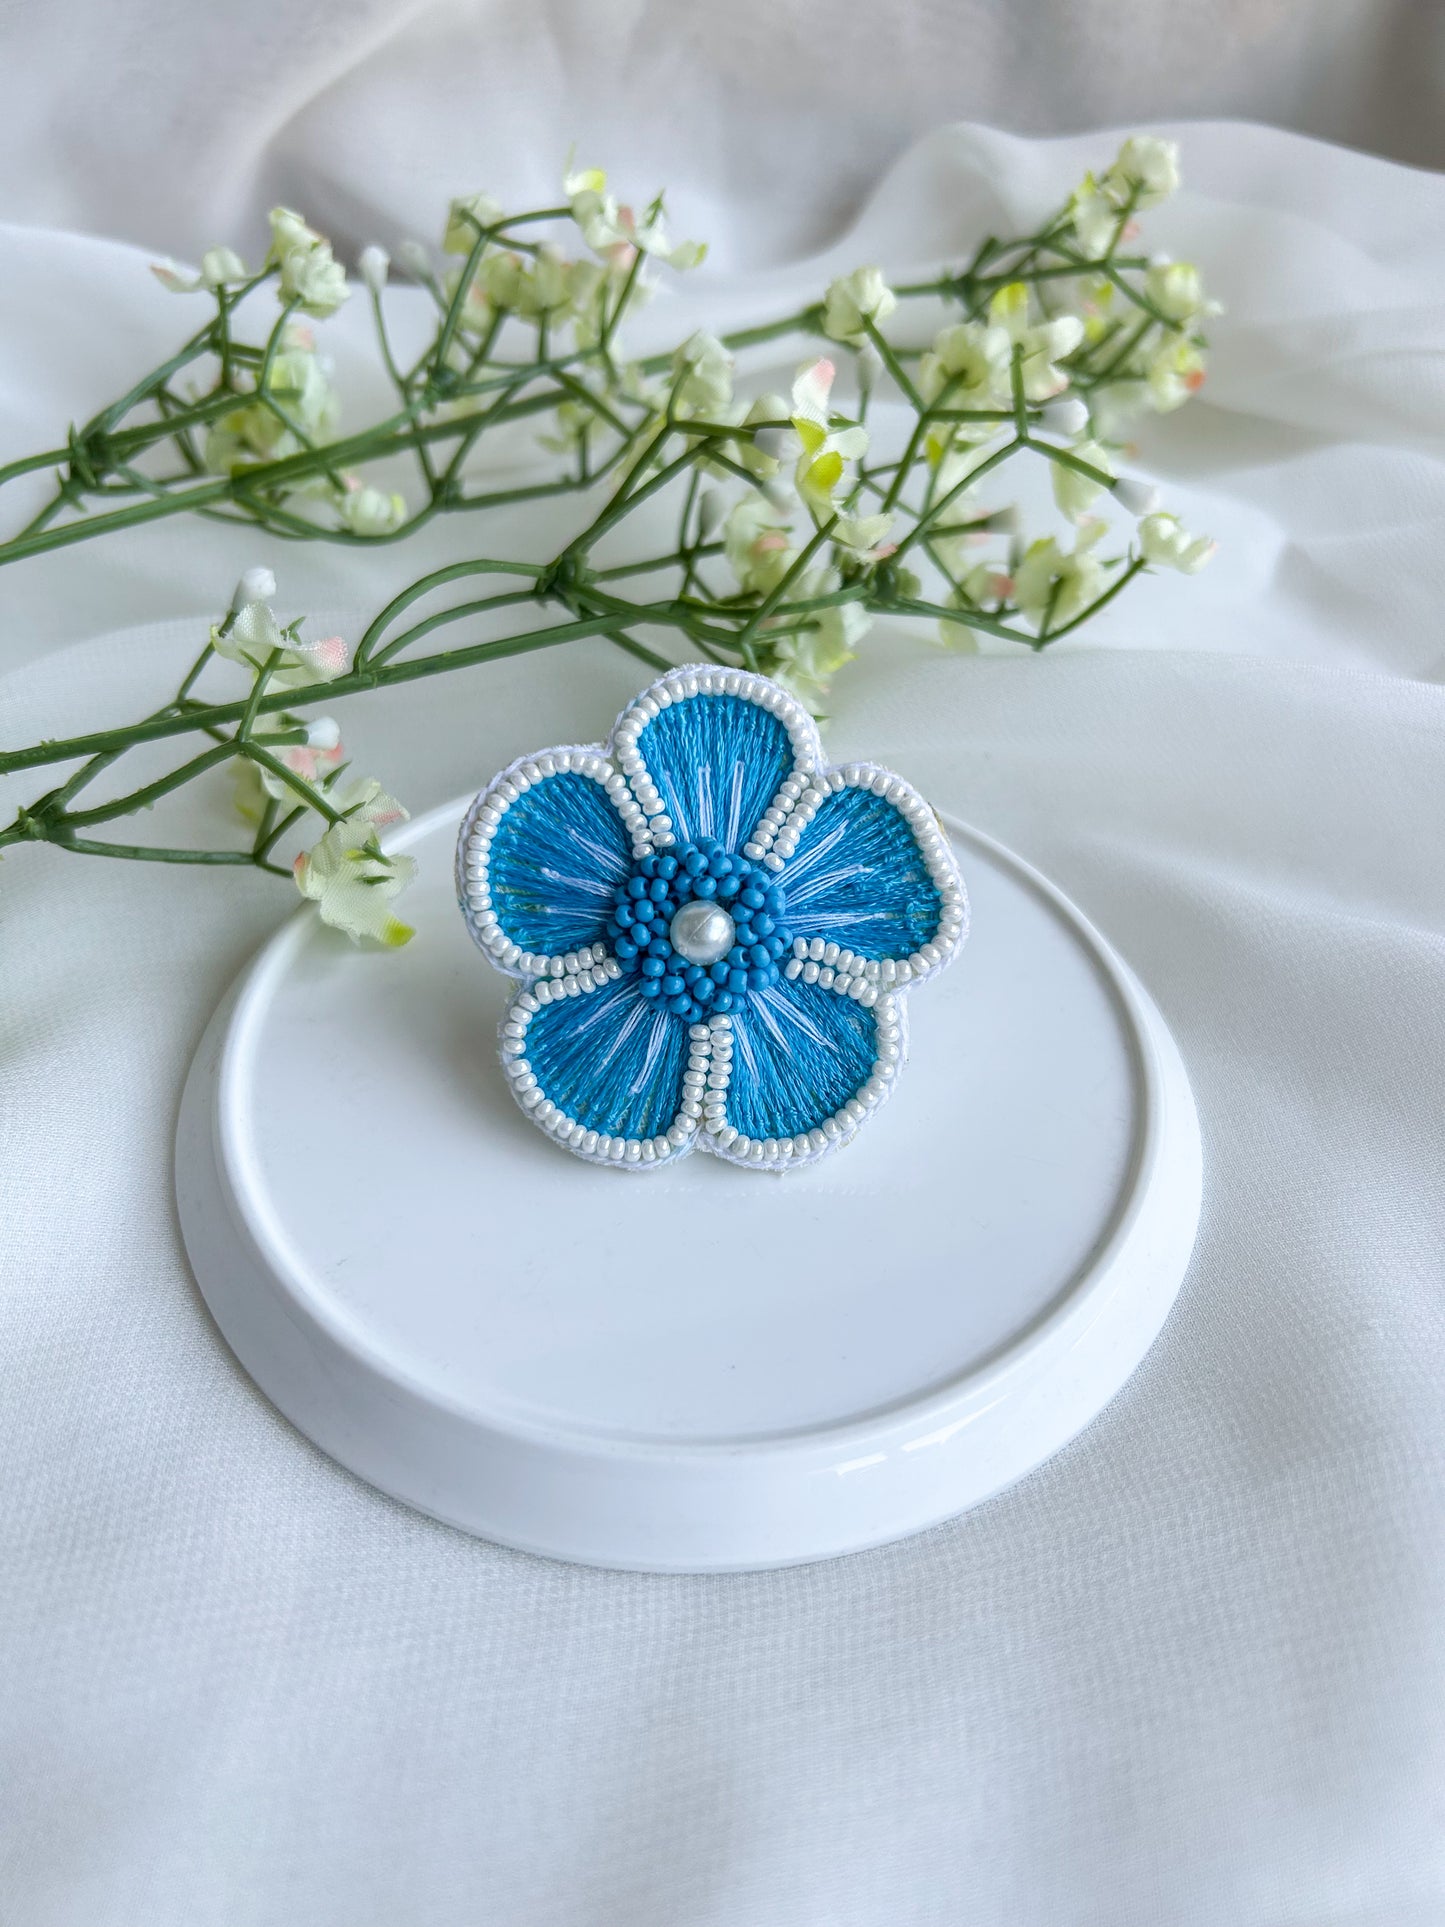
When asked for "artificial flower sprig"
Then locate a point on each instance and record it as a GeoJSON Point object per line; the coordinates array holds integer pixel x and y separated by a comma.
{"type": "Point", "coordinates": [797, 519]}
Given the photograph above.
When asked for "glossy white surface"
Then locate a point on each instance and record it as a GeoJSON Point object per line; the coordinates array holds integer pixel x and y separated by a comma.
{"type": "Point", "coordinates": [702, 1368]}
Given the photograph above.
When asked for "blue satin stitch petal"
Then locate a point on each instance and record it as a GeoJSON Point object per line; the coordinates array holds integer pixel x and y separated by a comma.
{"type": "Point", "coordinates": [799, 1054]}
{"type": "Point", "coordinates": [610, 1060]}
{"type": "Point", "coordinates": [858, 879]}
{"type": "Point", "coordinates": [717, 762]}
{"type": "Point", "coordinates": [556, 859]}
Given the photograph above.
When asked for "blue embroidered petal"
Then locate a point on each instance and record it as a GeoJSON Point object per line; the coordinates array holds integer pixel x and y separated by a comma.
{"type": "Point", "coordinates": [610, 1060]}
{"type": "Point", "coordinates": [858, 879]}
{"type": "Point", "coordinates": [717, 762]}
{"type": "Point", "coordinates": [551, 867]}
{"type": "Point", "coordinates": [799, 1054]}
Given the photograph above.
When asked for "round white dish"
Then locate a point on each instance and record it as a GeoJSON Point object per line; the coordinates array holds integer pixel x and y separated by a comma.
{"type": "Point", "coordinates": [702, 1368]}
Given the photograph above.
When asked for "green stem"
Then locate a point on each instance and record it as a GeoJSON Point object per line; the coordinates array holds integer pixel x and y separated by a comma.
{"type": "Point", "coordinates": [438, 579]}
{"type": "Point", "coordinates": [269, 836]}
{"type": "Point", "coordinates": [780, 589]}
{"type": "Point", "coordinates": [220, 715]}
{"type": "Point", "coordinates": [894, 366]}
{"type": "Point", "coordinates": [142, 853]}
{"type": "Point", "coordinates": [310, 795]}
{"type": "Point", "coordinates": [931, 514]}
{"type": "Point", "coordinates": [152, 792]}
{"type": "Point", "coordinates": [486, 605]}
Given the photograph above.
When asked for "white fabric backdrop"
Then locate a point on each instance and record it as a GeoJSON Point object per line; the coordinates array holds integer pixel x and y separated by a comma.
{"type": "Point", "coordinates": [769, 120]}
{"type": "Point", "coordinates": [1192, 1671]}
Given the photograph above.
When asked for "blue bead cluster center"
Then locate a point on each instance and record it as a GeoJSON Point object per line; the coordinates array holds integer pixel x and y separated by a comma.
{"type": "Point", "coordinates": [660, 884]}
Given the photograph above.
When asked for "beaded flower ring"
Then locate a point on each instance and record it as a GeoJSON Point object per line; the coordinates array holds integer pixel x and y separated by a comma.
{"type": "Point", "coordinates": [713, 931]}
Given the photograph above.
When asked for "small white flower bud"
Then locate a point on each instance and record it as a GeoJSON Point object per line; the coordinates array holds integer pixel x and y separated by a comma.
{"type": "Point", "coordinates": [220, 265]}
{"type": "Point", "coordinates": [1067, 416]}
{"type": "Point", "coordinates": [415, 259]}
{"type": "Point", "coordinates": [256, 585]}
{"type": "Point", "coordinates": [323, 733]}
{"type": "Point", "coordinates": [709, 513]}
{"type": "Point", "coordinates": [1139, 498]}
{"type": "Point", "coordinates": [374, 264]}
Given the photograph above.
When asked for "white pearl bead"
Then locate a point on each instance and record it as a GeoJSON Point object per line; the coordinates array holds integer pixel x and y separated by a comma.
{"type": "Point", "coordinates": [702, 931]}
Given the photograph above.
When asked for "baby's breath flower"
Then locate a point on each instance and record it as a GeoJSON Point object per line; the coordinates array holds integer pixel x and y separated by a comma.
{"type": "Point", "coordinates": [348, 875]}
{"type": "Point", "coordinates": [1146, 171]}
{"type": "Point", "coordinates": [617, 233]}
{"type": "Point", "coordinates": [758, 544]}
{"type": "Point", "coordinates": [219, 268]}
{"type": "Point", "coordinates": [466, 217]}
{"type": "Point", "coordinates": [251, 635]}
{"type": "Point", "coordinates": [854, 299]}
{"type": "Point", "coordinates": [703, 372]}
{"type": "Point", "coordinates": [371, 511]}
{"type": "Point", "coordinates": [255, 639]}
{"type": "Point", "coordinates": [1130, 335]}
{"type": "Point", "coordinates": [954, 633]}
{"type": "Point", "coordinates": [1069, 416]}
{"type": "Point", "coordinates": [313, 761]}
{"type": "Point", "coordinates": [711, 509]}
{"type": "Point", "coordinates": [987, 586]}
{"type": "Point", "coordinates": [1175, 289]}
{"type": "Point", "coordinates": [257, 584]}
{"type": "Point", "coordinates": [864, 536]}
{"type": "Point", "coordinates": [971, 361]}
{"type": "Point", "coordinates": [1053, 585]}
{"type": "Point", "coordinates": [1139, 498]}
{"type": "Point", "coordinates": [415, 259]}
{"type": "Point", "coordinates": [1043, 343]}
{"type": "Point", "coordinates": [1095, 217]}
{"type": "Point", "coordinates": [963, 525]}
{"type": "Point", "coordinates": [310, 274]}
{"type": "Point", "coordinates": [585, 280]}
{"type": "Point", "coordinates": [289, 231]}
{"type": "Point", "coordinates": [761, 452]}
{"type": "Point", "coordinates": [1176, 371]}
{"type": "Point", "coordinates": [806, 662]}
{"type": "Point", "coordinates": [1165, 544]}
{"type": "Point", "coordinates": [983, 588]}
{"type": "Point", "coordinates": [1076, 494]}
{"type": "Point", "coordinates": [825, 449]}
{"type": "Point", "coordinates": [374, 265]}
{"type": "Point", "coordinates": [314, 278]}
{"type": "Point", "coordinates": [299, 385]}
{"type": "Point", "coordinates": [310, 660]}
{"type": "Point", "coordinates": [476, 313]}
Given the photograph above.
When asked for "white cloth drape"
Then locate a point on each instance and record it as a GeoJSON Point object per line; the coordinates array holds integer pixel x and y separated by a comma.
{"type": "Point", "coordinates": [1191, 1672]}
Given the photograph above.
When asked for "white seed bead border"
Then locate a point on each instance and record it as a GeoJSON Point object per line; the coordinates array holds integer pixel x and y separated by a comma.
{"type": "Point", "coordinates": [698, 679]}
{"type": "Point", "coordinates": [724, 1141]}
{"type": "Point", "coordinates": [701, 1122]}
{"type": "Point", "coordinates": [815, 959]}
{"type": "Point", "coordinates": [474, 845]}
{"type": "Point", "coordinates": [597, 1147]}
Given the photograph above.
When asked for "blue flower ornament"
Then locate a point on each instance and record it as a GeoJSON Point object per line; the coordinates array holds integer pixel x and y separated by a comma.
{"type": "Point", "coordinates": [712, 931]}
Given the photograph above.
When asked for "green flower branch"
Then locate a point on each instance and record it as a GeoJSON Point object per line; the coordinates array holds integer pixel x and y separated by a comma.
{"type": "Point", "coordinates": [788, 535]}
